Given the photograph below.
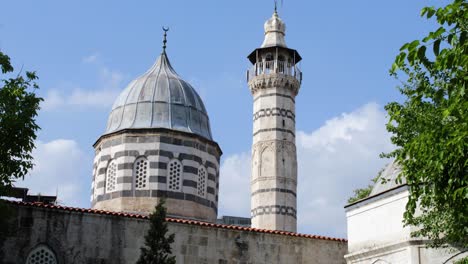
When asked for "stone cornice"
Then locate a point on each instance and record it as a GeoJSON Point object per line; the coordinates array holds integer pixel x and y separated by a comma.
{"type": "Point", "coordinates": [273, 80]}
{"type": "Point", "coordinates": [157, 131]}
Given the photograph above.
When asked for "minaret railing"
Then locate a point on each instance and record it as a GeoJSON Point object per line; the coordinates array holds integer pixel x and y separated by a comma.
{"type": "Point", "coordinates": [274, 67]}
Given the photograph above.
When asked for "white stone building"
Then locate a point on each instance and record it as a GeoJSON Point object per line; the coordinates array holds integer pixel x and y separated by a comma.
{"type": "Point", "coordinates": [376, 233]}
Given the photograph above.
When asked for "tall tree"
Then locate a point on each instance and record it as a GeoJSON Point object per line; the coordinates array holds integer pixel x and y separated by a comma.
{"type": "Point", "coordinates": [18, 110]}
{"type": "Point", "coordinates": [157, 249]}
{"type": "Point", "coordinates": [430, 128]}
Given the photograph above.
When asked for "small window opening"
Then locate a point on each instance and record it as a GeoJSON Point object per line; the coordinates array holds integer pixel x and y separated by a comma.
{"type": "Point", "coordinates": [41, 255]}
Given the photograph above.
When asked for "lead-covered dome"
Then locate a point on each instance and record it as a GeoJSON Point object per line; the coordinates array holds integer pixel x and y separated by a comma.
{"type": "Point", "coordinates": [160, 99]}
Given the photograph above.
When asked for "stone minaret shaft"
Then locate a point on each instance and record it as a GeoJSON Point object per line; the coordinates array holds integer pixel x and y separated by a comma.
{"type": "Point", "coordinates": [274, 81]}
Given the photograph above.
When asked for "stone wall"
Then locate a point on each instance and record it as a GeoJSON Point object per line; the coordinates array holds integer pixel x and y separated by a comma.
{"type": "Point", "coordinates": [378, 222]}
{"type": "Point", "coordinates": [377, 235]}
{"type": "Point", "coordinates": [91, 236]}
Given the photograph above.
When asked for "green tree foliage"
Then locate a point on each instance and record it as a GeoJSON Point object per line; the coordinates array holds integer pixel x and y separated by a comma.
{"type": "Point", "coordinates": [18, 110]}
{"type": "Point", "coordinates": [157, 249]}
{"type": "Point", "coordinates": [462, 261]}
{"type": "Point", "coordinates": [430, 128]}
{"type": "Point", "coordinates": [365, 192]}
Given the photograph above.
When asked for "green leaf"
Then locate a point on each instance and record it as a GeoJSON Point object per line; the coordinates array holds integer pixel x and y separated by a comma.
{"type": "Point", "coordinates": [430, 12]}
{"type": "Point", "coordinates": [424, 11]}
{"type": "Point", "coordinates": [427, 10]}
{"type": "Point", "coordinates": [413, 45]}
{"type": "Point", "coordinates": [5, 63]}
{"type": "Point", "coordinates": [463, 37]}
{"type": "Point", "coordinates": [405, 46]}
{"type": "Point", "coordinates": [439, 32]}
{"type": "Point", "coordinates": [436, 47]}
{"type": "Point", "coordinates": [422, 53]}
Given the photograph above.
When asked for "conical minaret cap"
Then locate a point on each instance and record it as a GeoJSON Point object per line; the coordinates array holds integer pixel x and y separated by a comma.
{"type": "Point", "coordinates": [275, 30]}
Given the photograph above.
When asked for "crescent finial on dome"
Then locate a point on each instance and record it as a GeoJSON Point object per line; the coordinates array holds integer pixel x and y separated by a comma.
{"type": "Point", "coordinates": [165, 29]}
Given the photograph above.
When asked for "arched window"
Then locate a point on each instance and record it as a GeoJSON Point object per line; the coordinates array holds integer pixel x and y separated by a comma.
{"type": "Point", "coordinates": [281, 67]}
{"type": "Point", "coordinates": [174, 175]}
{"type": "Point", "coordinates": [111, 176]}
{"type": "Point", "coordinates": [269, 63]}
{"type": "Point", "coordinates": [141, 173]}
{"type": "Point", "coordinates": [41, 255]}
{"type": "Point", "coordinates": [201, 185]}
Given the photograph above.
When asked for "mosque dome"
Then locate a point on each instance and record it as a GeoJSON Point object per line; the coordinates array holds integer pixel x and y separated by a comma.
{"type": "Point", "coordinates": [390, 173]}
{"type": "Point", "coordinates": [160, 98]}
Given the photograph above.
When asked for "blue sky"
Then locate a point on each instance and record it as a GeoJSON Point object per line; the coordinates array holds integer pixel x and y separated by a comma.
{"type": "Point", "coordinates": [86, 52]}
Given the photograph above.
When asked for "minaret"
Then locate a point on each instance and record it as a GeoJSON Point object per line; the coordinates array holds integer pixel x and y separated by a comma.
{"type": "Point", "coordinates": [274, 81]}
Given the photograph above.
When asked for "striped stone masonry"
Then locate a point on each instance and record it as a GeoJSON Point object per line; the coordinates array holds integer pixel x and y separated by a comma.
{"type": "Point", "coordinates": [274, 210]}
{"type": "Point", "coordinates": [274, 161]}
{"type": "Point", "coordinates": [151, 165]}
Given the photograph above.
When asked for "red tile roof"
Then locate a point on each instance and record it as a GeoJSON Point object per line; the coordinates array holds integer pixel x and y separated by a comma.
{"type": "Point", "coordinates": [173, 220]}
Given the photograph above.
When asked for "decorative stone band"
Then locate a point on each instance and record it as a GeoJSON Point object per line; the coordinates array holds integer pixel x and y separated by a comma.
{"type": "Point", "coordinates": [159, 179]}
{"type": "Point", "coordinates": [157, 165]}
{"type": "Point", "coordinates": [162, 135]}
{"type": "Point", "coordinates": [160, 165]}
{"type": "Point", "coordinates": [157, 194]}
{"type": "Point", "coordinates": [274, 129]}
{"type": "Point", "coordinates": [273, 209]}
{"type": "Point", "coordinates": [265, 81]}
{"type": "Point", "coordinates": [157, 152]}
{"type": "Point", "coordinates": [274, 111]}
{"type": "Point", "coordinates": [275, 94]}
{"type": "Point", "coordinates": [273, 190]}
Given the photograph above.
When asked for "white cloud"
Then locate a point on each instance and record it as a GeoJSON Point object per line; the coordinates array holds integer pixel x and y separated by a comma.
{"type": "Point", "coordinates": [80, 98]}
{"type": "Point", "coordinates": [335, 159]}
{"type": "Point", "coordinates": [234, 190]}
{"type": "Point", "coordinates": [60, 166]}
{"type": "Point", "coordinates": [91, 58]}
{"type": "Point", "coordinates": [111, 82]}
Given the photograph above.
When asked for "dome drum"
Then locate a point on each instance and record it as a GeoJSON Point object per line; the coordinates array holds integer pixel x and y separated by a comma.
{"type": "Point", "coordinates": [146, 165]}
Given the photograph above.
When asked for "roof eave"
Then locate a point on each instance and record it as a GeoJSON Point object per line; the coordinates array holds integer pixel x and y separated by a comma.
{"type": "Point", "coordinates": [156, 130]}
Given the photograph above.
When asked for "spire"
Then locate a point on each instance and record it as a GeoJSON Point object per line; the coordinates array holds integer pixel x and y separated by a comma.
{"type": "Point", "coordinates": [274, 31]}
{"type": "Point", "coordinates": [276, 4]}
{"type": "Point", "coordinates": [165, 29]}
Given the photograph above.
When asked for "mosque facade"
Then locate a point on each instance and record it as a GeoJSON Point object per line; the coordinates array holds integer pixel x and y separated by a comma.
{"type": "Point", "coordinates": [158, 145]}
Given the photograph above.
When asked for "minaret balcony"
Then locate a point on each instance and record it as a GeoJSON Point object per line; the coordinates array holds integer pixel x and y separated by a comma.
{"type": "Point", "coordinates": [276, 67]}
